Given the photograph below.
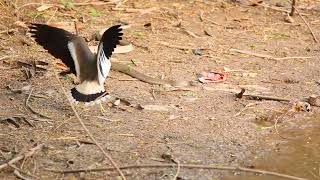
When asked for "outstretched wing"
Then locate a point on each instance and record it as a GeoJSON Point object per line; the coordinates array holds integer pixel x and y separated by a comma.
{"type": "Point", "coordinates": [71, 49]}
{"type": "Point", "coordinates": [110, 39]}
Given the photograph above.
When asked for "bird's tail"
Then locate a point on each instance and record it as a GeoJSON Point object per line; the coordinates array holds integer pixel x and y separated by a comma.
{"type": "Point", "coordinates": [87, 98]}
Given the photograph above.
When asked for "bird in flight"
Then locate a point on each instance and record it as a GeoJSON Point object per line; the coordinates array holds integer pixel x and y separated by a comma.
{"type": "Point", "coordinates": [90, 69]}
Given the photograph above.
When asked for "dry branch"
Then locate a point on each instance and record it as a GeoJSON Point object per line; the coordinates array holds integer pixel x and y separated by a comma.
{"type": "Point", "coordinates": [189, 166]}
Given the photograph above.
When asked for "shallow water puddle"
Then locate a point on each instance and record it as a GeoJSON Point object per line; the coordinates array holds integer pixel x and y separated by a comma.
{"type": "Point", "coordinates": [297, 155]}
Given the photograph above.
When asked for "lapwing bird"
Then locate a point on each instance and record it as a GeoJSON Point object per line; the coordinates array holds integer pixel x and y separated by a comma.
{"type": "Point", "coordinates": [90, 69]}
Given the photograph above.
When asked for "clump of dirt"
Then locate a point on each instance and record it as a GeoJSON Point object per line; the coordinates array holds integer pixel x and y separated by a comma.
{"type": "Point", "coordinates": [208, 125]}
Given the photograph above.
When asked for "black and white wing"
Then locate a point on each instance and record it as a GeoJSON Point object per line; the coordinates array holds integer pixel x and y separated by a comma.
{"type": "Point", "coordinates": [110, 39]}
{"type": "Point", "coordinates": [70, 48]}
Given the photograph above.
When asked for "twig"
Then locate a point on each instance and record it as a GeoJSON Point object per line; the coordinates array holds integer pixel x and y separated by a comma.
{"type": "Point", "coordinates": [276, 123]}
{"type": "Point", "coordinates": [190, 166]}
{"type": "Point", "coordinates": [178, 171]}
{"type": "Point", "coordinates": [88, 132]}
{"type": "Point", "coordinates": [272, 98]}
{"type": "Point", "coordinates": [202, 18]}
{"type": "Point", "coordinates": [22, 156]}
{"type": "Point", "coordinates": [31, 109]}
{"type": "Point", "coordinates": [190, 33]}
{"type": "Point", "coordinates": [23, 172]}
{"type": "Point", "coordinates": [17, 173]}
{"type": "Point", "coordinates": [61, 6]}
{"type": "Point", "coordinates": [134, 10]}
{"type": "Point", "coordinates": [129, 10]}
{"type": "Point", "coordinates": [20, 91]}
{"type": "Point", "coordinates": [304, 20]}
{"type": "Point", "coordinates": [259, 97]}
{"type": "Point", "coordinates": [96, 3]}
{"type": "Point", "coordinates": [275, 8]}
{"type": "Point", "coordinates": [267, 56]}
{"type": "Point", "coordinates": [293, 5]}
{"type": "Point", "coordinates": [131, 79]}
{"type": "Point", "coordinates": [293, 57]}
{"type": "Point", "coordinates": [180, 47]}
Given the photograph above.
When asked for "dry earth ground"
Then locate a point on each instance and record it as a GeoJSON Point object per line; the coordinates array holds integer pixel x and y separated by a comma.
{"type": "Point", "coordinates": [200, 127]}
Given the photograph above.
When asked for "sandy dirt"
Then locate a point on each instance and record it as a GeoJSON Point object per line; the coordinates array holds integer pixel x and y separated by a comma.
{"type": "Point", "coordinates": [207, 125]}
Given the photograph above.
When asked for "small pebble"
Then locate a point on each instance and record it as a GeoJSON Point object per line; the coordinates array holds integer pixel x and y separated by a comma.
{"type": "Point", "coordinates": [197, 52]}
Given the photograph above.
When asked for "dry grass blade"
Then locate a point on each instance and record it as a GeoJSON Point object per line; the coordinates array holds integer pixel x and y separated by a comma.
{"type": "Point", "coordinates": [88, 132]}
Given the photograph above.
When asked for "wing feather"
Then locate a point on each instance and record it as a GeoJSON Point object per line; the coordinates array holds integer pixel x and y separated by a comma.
{"type": "Point", "coordinates": [110, 39]}
{"type": "Point", "coordinates": [61, 44]}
